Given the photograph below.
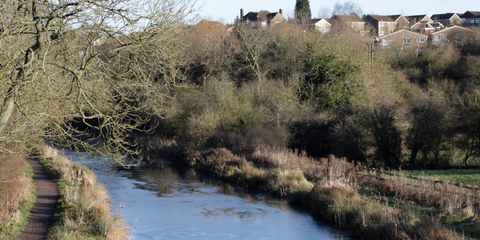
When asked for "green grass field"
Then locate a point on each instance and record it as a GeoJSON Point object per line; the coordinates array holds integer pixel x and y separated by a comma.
{"type": "Point", "coordinates": [465, 176]}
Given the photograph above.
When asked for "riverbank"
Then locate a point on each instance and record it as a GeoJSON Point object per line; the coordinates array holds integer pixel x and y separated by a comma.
{"type": "Point", "coordinates": [17, 195]}
{"type": "Point", "coordinates": [331, 188]}
{"type": "Point", "coordinates": [84, 209]}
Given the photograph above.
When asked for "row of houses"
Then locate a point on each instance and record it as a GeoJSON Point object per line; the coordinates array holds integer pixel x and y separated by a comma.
{"type": "Point", "coordinates": [387, 30]}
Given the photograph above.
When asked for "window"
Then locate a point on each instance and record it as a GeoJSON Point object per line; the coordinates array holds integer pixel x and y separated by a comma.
{"type": "Point", "coordinates": [388, 42]}
{"type": "Point", "coordinates": [421, 40]}
{"type": "Point", "coordinates": [420, 50]}
{"type": "Point", "coordinates": [382, 33]}
{"type": "Point", "coordinates": [253, 24]}
{"type": "Point", "coordinates": [472, 21]}
{"type": "Point", "coordinates": [264, 24]}
{"type": "Point", "coordinates": [381, 24]}
{"type": "Point", "coordinates": [477, 20]}
{"type": "Point", "coordinates": [440, 37]}
{"type": "Point", "coordinates": [459, 38]}
{"type": "Point", "coordinates": [407, 41]}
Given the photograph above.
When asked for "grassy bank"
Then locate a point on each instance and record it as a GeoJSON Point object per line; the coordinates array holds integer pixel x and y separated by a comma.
{"type": "Point", "coordinates": [464, 176]}
{"type": "Point", "coordinates": [84, 209]}
{"type": "Point", "coordinates": [17, 195]}
{"type": "Point", "coordinates": [332, 188]}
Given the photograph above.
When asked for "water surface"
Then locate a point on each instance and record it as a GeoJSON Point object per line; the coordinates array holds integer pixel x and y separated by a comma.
{"type": "Point", "coordinates": [163, 202]}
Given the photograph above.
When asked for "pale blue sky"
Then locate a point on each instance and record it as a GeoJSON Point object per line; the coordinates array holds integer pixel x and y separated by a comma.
{"type": "Point", "coordinates": [226, 11]}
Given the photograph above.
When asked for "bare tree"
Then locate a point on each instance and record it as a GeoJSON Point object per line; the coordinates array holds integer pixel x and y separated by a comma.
{"type": "Point", "coordinates": [250, 45]}
{"type": "Point", "coordinates": [325, 12]}
{"type": "Point", "coordinates": [209, 48]}
{"type": "Point", "coordinates": [81, 61]}
{"type": "Point", "coordinates": [347, 8]}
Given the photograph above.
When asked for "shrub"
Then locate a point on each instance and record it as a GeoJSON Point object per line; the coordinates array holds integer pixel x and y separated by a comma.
{"type": "Point", "coordinates": [468, 117]}
{"type": "Point", "coordinates": [428, 131]}
{"type": "Point", "coordinates": [329, 79]}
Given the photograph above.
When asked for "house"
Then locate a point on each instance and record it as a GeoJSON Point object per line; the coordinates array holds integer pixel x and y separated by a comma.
{"type": "Point", "coordinates": [404, 39]}
{"type": "Point", "coordinates": [426, 27]}
{"type": "Point", "coordinates": [351, 38]}
{"type": "Point", "coordinates": [471, 18]}
{"type": "Point", "coordinates": [402, 21]}
{"type": "Point", "coordinates": [382, 24]}
{"type": "Point", "coordinates": [321, 25]}
{"type": "Point", "coordinates": [447, 19]}
{"type": "Point", "coordinates": [263, 18]}
{"type": "Point", "coordinates": [352, 21]}
{"type": "Point", "coordinates": [413, 19]}
{"type": "Point", "coordinates": [423, 24]}
{"type": "Point", "coordinates": [454, 34]}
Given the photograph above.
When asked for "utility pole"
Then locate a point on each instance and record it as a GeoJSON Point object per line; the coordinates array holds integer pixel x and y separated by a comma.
{"type": "Point", "coordinates": [370, 52]}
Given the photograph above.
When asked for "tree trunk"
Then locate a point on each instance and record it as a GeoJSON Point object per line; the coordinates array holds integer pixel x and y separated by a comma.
{"type": "Point", "coordinates": [413, 157]}
{"type": "Point", "coordinates": [8, 107]}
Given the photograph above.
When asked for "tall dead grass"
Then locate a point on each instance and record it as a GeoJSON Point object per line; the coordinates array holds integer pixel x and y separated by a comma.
{"type": "Point", "coordinates": [289, 173]}
{"type": "Point", "coordinates": [372, 219]}
{"type": "Point", "coordinates": [425, 191]}
{"type": "Point", "coordinates": [17, 194]}
{"type": "Point", "coordinates": [86, 204]}
{"type": "Point", "coordinates": [330, 168]}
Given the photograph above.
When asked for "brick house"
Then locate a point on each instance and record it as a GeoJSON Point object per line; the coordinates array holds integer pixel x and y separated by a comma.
{"type": "Point", "coordinates": [402, 21]}
{"type": "Point", "coordinates": [447, 19]}
{"type": "Point", "coordinates": [403, 39]}
{"type": "Point", "coordinates": [263, 18]}
{"type": "Point", "coordinates": [413, 19]}
{"type": "Point", "coordinates": [471, 18]}
{"type": "Point", "coordinates": [352, 21]}
{"type": "Point", "coordinates": [383, 25]}
{"type": "Point", "coordinates": [455, 34]}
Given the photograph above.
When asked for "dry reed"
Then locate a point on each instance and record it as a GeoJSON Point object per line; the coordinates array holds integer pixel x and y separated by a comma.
{"type": "Point", "coordinates": [86, 204]}
{"type": "Point", "coordinates": [16, 188]}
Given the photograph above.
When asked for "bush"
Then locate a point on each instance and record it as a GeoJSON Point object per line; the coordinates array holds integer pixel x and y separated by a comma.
{"type": "Point", "coordinates": [428, 131]}
{"type": "Point", "coordinates": [329, 79]}
{"type": "Point", "coordinates": [468, 117]}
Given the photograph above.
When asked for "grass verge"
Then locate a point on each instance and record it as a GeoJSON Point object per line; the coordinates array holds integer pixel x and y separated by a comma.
{"type": "Point", "coordinates": [84, 208]}
{"type": "Point", "coordinates": [17, 198]}
{"type": "Point", "coordinates": [465, 176]}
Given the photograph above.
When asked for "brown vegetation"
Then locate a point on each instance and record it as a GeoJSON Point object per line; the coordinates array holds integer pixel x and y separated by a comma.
{"type": "Point", "coordinates": [17, 194]}
{"type": "Point", "coordinates": [231, 101]}
{"type": "Point", "coordinates": [321, 95]}
{"type": "Point", "coordinates": [85, 204]}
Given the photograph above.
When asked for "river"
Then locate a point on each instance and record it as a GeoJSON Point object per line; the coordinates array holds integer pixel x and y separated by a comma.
{"type": "Point", "coordinates": [163, 202]}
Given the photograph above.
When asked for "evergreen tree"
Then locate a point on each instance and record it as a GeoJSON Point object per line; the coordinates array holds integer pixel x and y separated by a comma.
{"type": "Point", "coordinates": [302, 10]}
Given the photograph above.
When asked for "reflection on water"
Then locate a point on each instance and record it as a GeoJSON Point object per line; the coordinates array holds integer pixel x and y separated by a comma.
{"type": "Point", "coordinates": [162, 202]}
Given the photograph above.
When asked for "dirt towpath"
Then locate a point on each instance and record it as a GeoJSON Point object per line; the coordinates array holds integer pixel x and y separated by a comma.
{"type": "Point", "coordinates": [41, 217]}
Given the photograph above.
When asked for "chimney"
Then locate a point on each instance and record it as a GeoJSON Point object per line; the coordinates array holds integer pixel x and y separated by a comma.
{"type": "Point", "coordinates": [241, 13]}
{"type": "Point", "coordinates": [280, 11]}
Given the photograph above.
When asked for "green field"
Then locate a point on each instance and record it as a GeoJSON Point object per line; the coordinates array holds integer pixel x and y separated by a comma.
{"type": "Point", "coordinates": [465, 176]}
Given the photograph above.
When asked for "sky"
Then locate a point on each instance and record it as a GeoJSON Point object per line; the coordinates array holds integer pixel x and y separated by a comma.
{"type": "Point", "coordinates": [226, 11]}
